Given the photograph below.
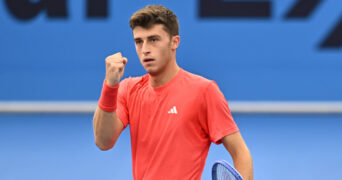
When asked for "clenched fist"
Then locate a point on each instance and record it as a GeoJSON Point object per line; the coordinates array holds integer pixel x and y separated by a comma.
{"type": "Point", "coordinates": [115, 66]}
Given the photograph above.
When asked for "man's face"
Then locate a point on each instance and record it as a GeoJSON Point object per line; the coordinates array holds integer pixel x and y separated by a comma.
{"type": "Point", "coordinates": [154, 48]}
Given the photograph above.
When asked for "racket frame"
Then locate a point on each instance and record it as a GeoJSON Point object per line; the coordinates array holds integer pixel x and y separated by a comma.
{"type": "Point", "coordinates": [230, 168]}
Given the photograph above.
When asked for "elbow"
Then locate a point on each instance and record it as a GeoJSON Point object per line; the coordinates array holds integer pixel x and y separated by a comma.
{"type": "Point", "coordinates": [104, 146]}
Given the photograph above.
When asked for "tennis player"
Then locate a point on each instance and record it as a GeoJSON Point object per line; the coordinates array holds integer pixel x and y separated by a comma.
{"type": "Point", "coordinates": [174, 115]}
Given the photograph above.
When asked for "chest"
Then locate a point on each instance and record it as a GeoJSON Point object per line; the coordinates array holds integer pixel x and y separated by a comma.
{"type": "Point", "coordinates": [172, 113]}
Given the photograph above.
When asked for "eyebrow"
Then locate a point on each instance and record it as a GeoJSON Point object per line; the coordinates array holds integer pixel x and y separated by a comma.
{"type": "Point", "coordinates": [149, 37]}
{"type": "Point", "coordinates": [153, 36]}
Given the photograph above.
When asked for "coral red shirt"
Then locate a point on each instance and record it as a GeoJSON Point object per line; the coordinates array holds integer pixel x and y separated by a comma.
{"type": "Point", "coordinates": [173, 126]}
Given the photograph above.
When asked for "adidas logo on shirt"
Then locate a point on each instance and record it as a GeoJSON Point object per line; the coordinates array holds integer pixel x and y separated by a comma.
{"type": "Point", "coordinates": [173, 110]}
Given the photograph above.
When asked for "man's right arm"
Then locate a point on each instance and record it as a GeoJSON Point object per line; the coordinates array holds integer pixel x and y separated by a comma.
{"type": "Point", "coordinates": [107, 125]}
{"type": "Point", "coordinates": [107, 128]}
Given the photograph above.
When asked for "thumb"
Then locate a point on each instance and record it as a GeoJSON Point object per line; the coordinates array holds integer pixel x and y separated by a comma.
{"type": "Point", "coordinates": [124, 60]}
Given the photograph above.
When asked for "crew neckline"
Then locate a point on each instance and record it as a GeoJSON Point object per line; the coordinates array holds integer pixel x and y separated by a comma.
{"type": "Point", "coordinates": [163, 87]}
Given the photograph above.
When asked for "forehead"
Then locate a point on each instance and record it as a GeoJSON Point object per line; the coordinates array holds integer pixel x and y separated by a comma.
{"type": "Point", "coordinates": [157, 29]}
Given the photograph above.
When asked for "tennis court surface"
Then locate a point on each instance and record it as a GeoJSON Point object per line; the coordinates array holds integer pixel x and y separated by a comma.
{"type": "Point", "coordinates": [40, 147]}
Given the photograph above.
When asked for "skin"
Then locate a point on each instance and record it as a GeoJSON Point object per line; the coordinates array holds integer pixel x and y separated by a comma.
{"type": "Point", "coordinates": [241, 156]}
{"type": "Point", "coordinates": [156, 50]}
{"type": "Point", "coordinates": [156, 44]}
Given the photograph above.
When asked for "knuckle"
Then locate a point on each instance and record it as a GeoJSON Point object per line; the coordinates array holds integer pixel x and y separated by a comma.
{"type": "Point", "coordinates": [117, 55]}
{"type": "Point", "coordinates": [108, 59]}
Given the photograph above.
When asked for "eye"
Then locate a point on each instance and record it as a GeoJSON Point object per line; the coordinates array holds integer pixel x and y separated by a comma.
{"type": "Point", "coordinates": [154, 39]}
{"type": "Point", "coordinates": [138, 42]}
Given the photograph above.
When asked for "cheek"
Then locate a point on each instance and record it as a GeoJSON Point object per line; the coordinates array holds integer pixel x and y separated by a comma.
{"type": "Point", "coordinates": [165, 51]}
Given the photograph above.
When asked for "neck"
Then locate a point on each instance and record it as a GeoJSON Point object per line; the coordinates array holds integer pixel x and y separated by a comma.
{"type": "Point", "coordinates": [165, 76]}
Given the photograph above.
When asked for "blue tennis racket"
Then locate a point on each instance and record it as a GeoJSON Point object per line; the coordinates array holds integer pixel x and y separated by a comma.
{"type": "Point", "coordinates": [222, 170]}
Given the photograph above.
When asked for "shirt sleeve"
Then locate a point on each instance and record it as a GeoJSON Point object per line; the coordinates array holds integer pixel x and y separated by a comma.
{"type": "Point", "coordinates": [122, 99]}
{"type": "Point", "coordinates": [219, 118]}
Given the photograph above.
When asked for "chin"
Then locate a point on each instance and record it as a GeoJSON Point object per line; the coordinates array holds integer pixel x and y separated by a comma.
{"type": "Point", "coordinates": [152, 71]}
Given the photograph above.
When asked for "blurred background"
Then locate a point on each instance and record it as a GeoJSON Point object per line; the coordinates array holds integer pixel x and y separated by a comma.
{"type": "Point", "coordinates": [278, 63]}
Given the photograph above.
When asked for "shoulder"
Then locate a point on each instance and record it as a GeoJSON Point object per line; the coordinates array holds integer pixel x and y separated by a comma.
{"type": "Point", "coordinates": [197, 81]}
{"type": "Point", "coordinates": [130, 83]}
{"type": "Point", "coordinates": [205, 87]}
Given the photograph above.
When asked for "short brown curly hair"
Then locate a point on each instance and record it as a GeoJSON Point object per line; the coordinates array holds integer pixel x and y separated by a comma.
{"type": "Point", "coordinates": [155, 14]}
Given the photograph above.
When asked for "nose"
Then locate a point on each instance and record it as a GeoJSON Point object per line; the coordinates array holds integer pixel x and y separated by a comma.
{"type": "Point", "coordinates": [146, 49]}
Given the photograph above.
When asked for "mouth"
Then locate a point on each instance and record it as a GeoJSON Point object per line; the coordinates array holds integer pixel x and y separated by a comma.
{"type": "Point", "coordinates": [148, 60]}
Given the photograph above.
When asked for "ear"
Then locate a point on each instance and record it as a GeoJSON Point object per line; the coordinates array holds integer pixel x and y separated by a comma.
{"type": "Point", "coordinates": [175, 42]}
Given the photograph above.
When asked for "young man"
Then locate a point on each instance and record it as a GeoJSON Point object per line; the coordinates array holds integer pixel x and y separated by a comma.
{"type": "Point", "coordinates": [173, 115]}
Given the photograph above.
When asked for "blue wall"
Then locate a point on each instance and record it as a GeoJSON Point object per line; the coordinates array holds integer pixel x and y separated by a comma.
{"type": "Point", "coordinates": [251, 58]}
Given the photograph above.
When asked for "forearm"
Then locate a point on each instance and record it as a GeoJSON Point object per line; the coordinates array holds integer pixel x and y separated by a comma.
{"type": "Point", "coordinates": [107, 128]}
{"type": "Point", "coordinates": [243, 163]}
{"type": "Point", "coordinates": [239, 151]}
